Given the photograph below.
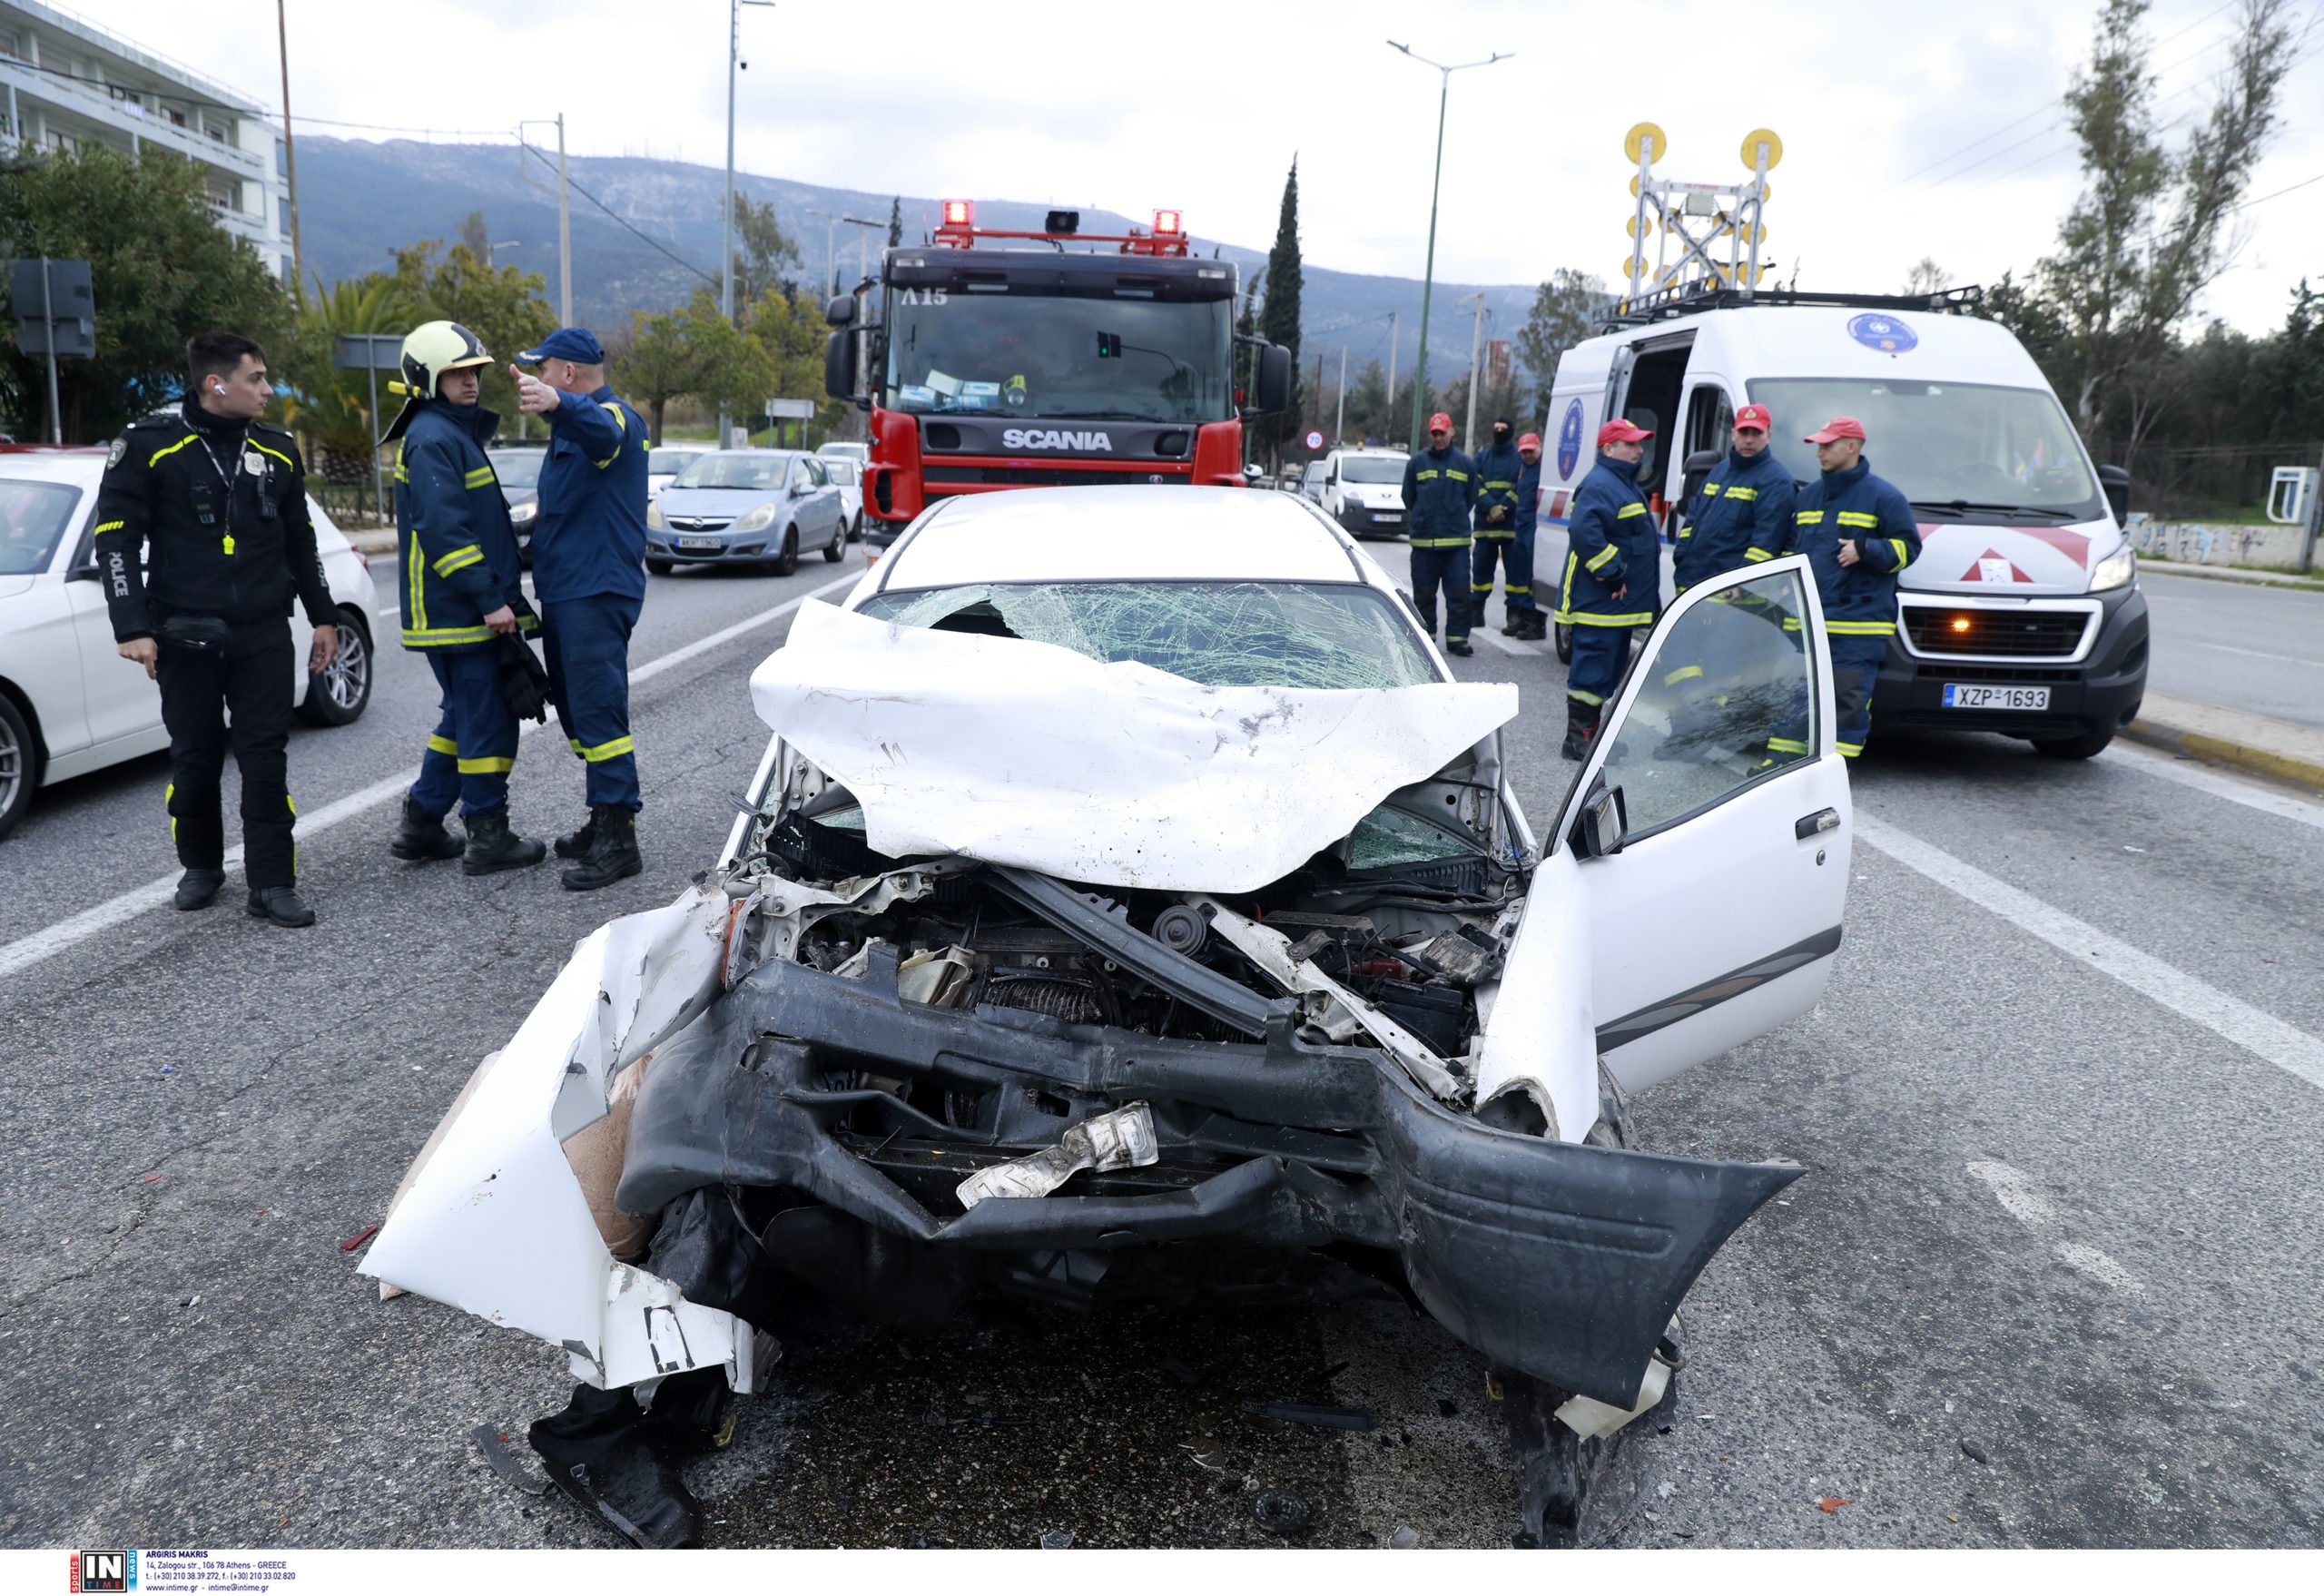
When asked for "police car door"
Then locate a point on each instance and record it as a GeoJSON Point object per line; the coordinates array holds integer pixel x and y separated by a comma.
{"type": "Point", "coordinates": [1711, 827]}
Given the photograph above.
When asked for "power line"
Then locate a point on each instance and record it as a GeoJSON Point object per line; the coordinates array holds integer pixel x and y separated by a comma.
{"type": "Point", "coordinates": [622, 221]}
{"type": "Point", "coordinates": [2263, 198]}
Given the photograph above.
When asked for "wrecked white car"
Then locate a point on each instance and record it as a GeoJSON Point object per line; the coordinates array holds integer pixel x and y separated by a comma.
{"type": "Point", "coordinates": [1130, 884]}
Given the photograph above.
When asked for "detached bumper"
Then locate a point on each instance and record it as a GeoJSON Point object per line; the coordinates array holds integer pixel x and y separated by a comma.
{"type": "Point", "coordinates": [1563, 1261]}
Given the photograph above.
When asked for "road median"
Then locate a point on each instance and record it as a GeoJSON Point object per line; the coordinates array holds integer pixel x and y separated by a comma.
{"type": "Point", "coordinates": [2259, 743]}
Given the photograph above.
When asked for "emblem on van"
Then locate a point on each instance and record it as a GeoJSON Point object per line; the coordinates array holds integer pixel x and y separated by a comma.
{"type": "Point", "coordinates": [1569, 441]}
{"type": "Point", "coordinates": [1885, 333]}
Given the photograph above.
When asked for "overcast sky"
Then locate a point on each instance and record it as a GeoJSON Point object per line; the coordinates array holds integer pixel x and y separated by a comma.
{"type": "Point", "coordinates": [1909, 130]}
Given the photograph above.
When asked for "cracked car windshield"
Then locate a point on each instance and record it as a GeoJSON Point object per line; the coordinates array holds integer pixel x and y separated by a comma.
{"type": "Point", "coordinates": [1062, 358]}
{"type": "Point", "coordinates": [1219, 633]}
{"type": "Point", "coordinates": [1993, 448]}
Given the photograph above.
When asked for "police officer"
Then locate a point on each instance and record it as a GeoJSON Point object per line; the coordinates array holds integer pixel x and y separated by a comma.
{"type": "Point", "coordinates": [1526, 620]}
{"type": "Point", "coordinates": [1858, 533]}
{"type": "Point", "coordinates": [1496, 519]}
{"type": "Point", "coordinates": [589, 575]}
{"type": "Point", "coordinates": [1440, 490]}
{"type": "Point", "coordinates": [221, 497]}
{"type": "Point", "coordinates": [1747, 504]}
{"type": "Point", "coordinates": [461, 597]}
{"type": "Point", "coordinates": [1613, 575]}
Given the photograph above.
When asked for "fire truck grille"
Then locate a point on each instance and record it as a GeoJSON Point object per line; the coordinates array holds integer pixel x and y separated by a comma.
{"type": "Point", "coordinates": [1039, 477]}
{"type": "Point", "coordinates": [2021, 633]}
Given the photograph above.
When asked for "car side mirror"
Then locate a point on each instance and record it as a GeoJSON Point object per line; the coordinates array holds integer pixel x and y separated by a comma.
{"type": "Point", "coordinates": [1597, 829]}
{"type": "Point", "coordinates": [2115, 483]}
{"type": "Point", "coordinates": [840, 311]}
{"type": "Point", "coordinates": [1699, 466]}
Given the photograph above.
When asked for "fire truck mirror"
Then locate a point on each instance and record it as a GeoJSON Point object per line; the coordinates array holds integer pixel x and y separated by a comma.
{"type": "Point", "coordinates": [840, 363]}
{"type": "Point", "coordinates": [840, 311]}
{"type": "Point", "coordinates": [1273, 396]}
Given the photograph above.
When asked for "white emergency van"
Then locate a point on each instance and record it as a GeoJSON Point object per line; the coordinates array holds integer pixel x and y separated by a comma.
{"type": "Point", "coordinates": [2023, 613]}
{"type": "Point", "coordinates": [1363, 490]}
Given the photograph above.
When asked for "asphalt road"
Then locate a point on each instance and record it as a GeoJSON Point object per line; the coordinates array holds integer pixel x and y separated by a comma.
{"type": "Point", "coordinates": [2049, 1279]}
{"type": "Point", "coordinates": [2240, 646]}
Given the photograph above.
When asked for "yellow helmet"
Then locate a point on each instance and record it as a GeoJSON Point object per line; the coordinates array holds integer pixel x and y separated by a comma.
{"type": "Point", "coordinates": [430, 350]}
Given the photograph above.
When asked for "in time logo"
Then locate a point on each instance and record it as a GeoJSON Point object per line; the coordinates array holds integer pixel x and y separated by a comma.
{"type": "Point", "coordinates": [105, 1571]}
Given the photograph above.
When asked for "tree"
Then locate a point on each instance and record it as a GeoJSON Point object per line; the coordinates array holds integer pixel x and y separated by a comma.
{"type": "Point", "coordinates": [764, 251]}
{"type": "Point", "coordinates": [693, 353]}
{"type": "Point", "coordinates": [790, 329]}
{"type": "Point", "coordinates": [331, 406]}
{"type": "Point", "coordinates": [1928, 277]}
{"type": "Point", "coordinates": [1279, 323]}
{"type": "Point", "coordinates": [477, 235]}
{"type": "Point", "coordinates": [507, 307]}
{"type": "Point", "coordinates": [161, 269]}
{"type": "Point", "coordinates": [895, 222]}
{"type": "Point", "coordinates": [1246, 361]}
{"type": "Point", "coordinates": [1566, 308]}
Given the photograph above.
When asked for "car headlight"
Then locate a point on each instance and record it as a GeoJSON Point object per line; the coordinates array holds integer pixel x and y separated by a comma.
{"type": "Point", "coordinates": [654, 517]}
{"type": "Point", "coordinates": [754, 519]}
{"type": "Point", "coordinates": [522, 514]}
{"type": "Point", "coordinates": [2116, 569]}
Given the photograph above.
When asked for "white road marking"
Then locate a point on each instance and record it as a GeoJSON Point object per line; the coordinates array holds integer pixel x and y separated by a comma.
{"type": "Point", "coordinates": [2289, 1048]}
{"type": "Point", "coordinates": [2258, 654]}
{"type": "Point", "coordinates": [2218, 784]}
{"type": "Point", "coordinates": [393, 612]}
{"type": "Point", "coordinates": [2012, 1188]}
{"type": "Point", "coordinates": [2097, 1266]}
{"type": "Point", "coordinates": [30, 950]}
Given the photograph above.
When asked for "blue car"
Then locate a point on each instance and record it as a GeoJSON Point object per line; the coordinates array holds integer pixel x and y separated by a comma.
{"type": "Point", "coordinates": [747, 506]}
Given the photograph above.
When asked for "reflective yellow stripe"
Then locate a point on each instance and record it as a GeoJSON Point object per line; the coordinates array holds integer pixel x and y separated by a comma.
{"type": "Point", "coordinates": [1858, 518]}
{"type": "Point", "coordinates": [1579, 697]}
{"type": "Point", "coordinates": [277, 453]}
{"type": "Point", "coordinates": [1440, 542]}
{"type": "Point", "coordinates": [1628, 510]}
{"type": "Point", "coordinates": [442, 745]}
{"type": "Point", "coordinates": [1808, 518]}
{"type": "Point", "coordinates": [414, 578]}
{"type": "Point", "coordinates": [1427, 476]}
{"type": "Point", "coordinates": [604, 750]}
{"type": "Point", "coordinates": [1742, 493]}
{"type": "Point", "coordinates": [1903, 559]}
{"type": "Point", "coordinates": [460, 558]}
{"type": "Point", "coordinates": [1849, 750]}
{"type": "Point", "coordinates": [1756, 555]}
{"type": "Point", "coordinates": [1710, 490]}
{"type": "Point", "coordinates": [106, 527]}
{"type": "Point", "coordinates": [1457, 475]}
{"type": "Point", "coordinates": [1602, 556]}
{"type": "Point", "coordinates": [1584, 618]}
{"type": "Point", "coordinates": [168, 450]}
{"type": "Point", "coordinates": [528, 623]}
{"type": "Point", "coordinates": [1684, 673]}
{"type": "Point", "coordinates": [1785, 746]}
{"type": "Point", "coordinates": [1492, 482]}
{"type": "Point", "coordinates": [487, 767]}
{"type": "Point", "coordinates": [1861, 628]}
{"type": "Point", "coordinates": [444, 637]}
{"type": "Point", "coordinates": [480, 477]}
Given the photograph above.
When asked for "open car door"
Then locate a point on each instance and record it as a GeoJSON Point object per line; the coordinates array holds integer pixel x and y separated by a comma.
{"type": "Point", "coordinates": [1711, 825]}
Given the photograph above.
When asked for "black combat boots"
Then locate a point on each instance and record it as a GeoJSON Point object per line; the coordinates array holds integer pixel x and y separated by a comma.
{"type": "Point", "coordinates": [613, 849]}
{"type": "Point", "coordinates": [576, 844]}
{"type": "Point", "coordinates": [422, 835]}
{"type": "Point", "coordinates": [1581, 725]}
{"type": "Point", "coordinates": [493, 846]}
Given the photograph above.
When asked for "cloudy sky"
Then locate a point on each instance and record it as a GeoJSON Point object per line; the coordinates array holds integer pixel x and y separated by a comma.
{"type": "Point", "coordinates": [1905, 136]}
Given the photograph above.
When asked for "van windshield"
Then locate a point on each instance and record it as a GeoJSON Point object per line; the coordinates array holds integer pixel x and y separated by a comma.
{"type": "Point", "coordinates": [1993, 449]}
{"type": "Point", "coordinates": [1371, 468]}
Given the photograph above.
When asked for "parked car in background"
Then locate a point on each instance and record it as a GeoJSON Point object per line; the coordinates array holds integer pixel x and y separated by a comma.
{"type": "Point", "coordinates": [861, 453]}
{"type": "Point", "coordinates": [666, 460]}
{"type": "Point", "coordinates": [738, 506]}
{"type": "Point", "coordinates": [519, 471]}
{"type": "Point", "coordinates": [69, 703]}
{"type": "Point", "coordinates": [1363, 490]}
{"type": "Point", "coordinates": [1311, 481]}
{"type": "Point", "coordinates": [847, 476]}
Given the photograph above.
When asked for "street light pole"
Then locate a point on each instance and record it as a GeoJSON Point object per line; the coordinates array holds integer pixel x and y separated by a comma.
{"type": "Point", "coordinates": [863, 231]}
{"type": "Point", "coordinates": [831, 259]}
{"type": "Point", "coordinates": [727, 253]}
{"type": "Point", "coordinates": [1476, 348]}
{"type": "Point", "coordinates": [1436, 184]}
{"type": "Point", "coordinates": [289, 158]}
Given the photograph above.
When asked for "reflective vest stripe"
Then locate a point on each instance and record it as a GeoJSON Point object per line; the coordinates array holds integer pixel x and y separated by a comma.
{"type": "Point", "coordinates": [1858, 518]}
{"type": "Point", "coordinates": [459, 559]}
{"type": "Point", "coordinates": [1603, 556]}
{"type": "Point", "coordinates": [168, 450]}
{"type": "Point", "coordinates": [604, 750]}
{"type": "Point", "coordinates": [1628, 510]}
{"type": "Point", "coordinates": [439, 744]}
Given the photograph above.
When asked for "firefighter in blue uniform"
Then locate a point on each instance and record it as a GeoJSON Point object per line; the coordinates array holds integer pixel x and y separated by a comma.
{"type": "Point", "coordinates": [1858, 533]}
{"type": "Point", "coordinates": [1440, 491]}
{"type": "Point", "coordinates": [1497, 467]}
{"type": "Point", "coordinates": [1746, 504]}
{"type": "Point", "coordinates": [1613, 575]}
{"type": "Point", "coordinates": [461, 597]}
{"type": "Point", "coordinates": [589, 575]}
{"type": "Point", "coordinates": [1525, 617]}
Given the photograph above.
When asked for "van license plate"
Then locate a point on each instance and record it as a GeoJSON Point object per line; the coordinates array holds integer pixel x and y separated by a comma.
{"type": "Point", "coordinates": [712, 544]}
{"type": "Point", "coordinates": [1978, 696]}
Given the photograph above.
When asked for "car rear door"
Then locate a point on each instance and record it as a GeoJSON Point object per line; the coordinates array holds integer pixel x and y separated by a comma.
{"type": "Point", "coordinates": [1712, 826]}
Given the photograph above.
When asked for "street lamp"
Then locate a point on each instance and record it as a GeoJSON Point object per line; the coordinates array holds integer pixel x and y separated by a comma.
{"type": "Point", "coordinates": [1428, 282]}
{"type": "Point", "coordinates": [865, 229]}
{"type": "Point", "coordinates": [831, 261]}
{"type": "Point", "coordinates": [726, 254]}
{"type": "Point", "coordinates": [492, 249]}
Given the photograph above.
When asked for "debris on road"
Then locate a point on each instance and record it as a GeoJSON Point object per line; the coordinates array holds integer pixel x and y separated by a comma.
{"type": "Point", "coordinates": [1301, 1412]}
{"type": "Point", "coordinates": [1833, 1503]}
{"type": "Point", "coordinates": [1056, 1540]}
{"type": "Point", "coordinates": [1404, 1538]}
{"type": "Point", "coordinates": [504, 1462]}
{"type": "Point", "coordinates": [358, 1239]}
{"type": "Point", "coordinates": [1280, 1512]}
{"type": "Point", "coordinates": [1975, 1453]}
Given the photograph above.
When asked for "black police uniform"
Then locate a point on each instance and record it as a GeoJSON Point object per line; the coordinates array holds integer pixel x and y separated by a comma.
{"type": "Point", "coordinates": [223, 503]}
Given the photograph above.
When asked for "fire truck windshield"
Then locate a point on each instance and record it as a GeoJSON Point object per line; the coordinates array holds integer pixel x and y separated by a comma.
{"type": "Point", "coordinates": [1061, 357]}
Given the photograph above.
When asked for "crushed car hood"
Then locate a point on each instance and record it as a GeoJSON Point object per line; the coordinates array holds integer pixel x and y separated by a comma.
{"type": "Point", "coordinates": [1026, 754]}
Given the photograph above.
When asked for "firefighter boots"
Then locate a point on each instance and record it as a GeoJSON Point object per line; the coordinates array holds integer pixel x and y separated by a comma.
{"type": "Point", "coordinates": [576, 844]}
{"type": "Point", "coordinates": [282, 905]}
{"type": "Point", "coordinates": [492, 846]}
{"type": "Point", "coordinates": [612, 850]}
{"type": "Point", "coordinates": [422, 835]}
{"type": "Point", "coordinates": [1580, 726]}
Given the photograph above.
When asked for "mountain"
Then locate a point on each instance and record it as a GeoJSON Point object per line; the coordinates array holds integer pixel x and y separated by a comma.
{"type": "Point", "coordinates": [359, 200]}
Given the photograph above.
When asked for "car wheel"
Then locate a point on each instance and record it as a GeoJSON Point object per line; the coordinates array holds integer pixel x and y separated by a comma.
{"type": "Point", "coordinates": [788, 560]}
{"type": "Point", "coordinates": [337, 695]}
{"type": "Point", "coordinates": [2089, 745]}
{"type": "Point", "coordinates": [836, 549]}
{"type": "Point", "coordinates": [19, 764]}
{"type": "Point", "coordinates": [661, 567]}
{"type": "Point", "coordinates": [1565, 644]}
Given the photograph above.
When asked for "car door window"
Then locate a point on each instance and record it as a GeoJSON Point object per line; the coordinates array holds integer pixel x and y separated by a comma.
{"type": "Point", "coordinates": [816, 477]}
{"type": "Point", "coordinates": [1729, 698]}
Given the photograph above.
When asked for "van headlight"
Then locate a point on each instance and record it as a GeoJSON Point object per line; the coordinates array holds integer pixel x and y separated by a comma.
{"type": "Point", "coordinates": [754, 519]}
{"type": "Point", "coordinates": [654, 517]}
{"type": "Point", "coordinates": [2115, 570]}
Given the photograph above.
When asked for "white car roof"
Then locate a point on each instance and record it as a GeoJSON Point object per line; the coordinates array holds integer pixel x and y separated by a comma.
{"type": "Point", "coordinates": [86, 469]}
{"type": "Point", "coordinates": [1142, 533]}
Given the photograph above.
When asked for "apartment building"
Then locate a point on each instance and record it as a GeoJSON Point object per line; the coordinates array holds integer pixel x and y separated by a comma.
{"type": "Point", "coordinates": [65, 82]}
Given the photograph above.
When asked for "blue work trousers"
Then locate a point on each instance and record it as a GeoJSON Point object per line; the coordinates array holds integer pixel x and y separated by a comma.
{"type": "Point", "coordinates": [1601, 655]}
{"type": "Point", "coordinates": [1855, 669]}
{"type": "Point", "coordinates": [1446, 569]}
{"type": "Point", "coordinates": [475, 745]}
{"type": "Point", "coordinates": [1514, 553]}
{"type": "Point", "coordinates": [586, 644]}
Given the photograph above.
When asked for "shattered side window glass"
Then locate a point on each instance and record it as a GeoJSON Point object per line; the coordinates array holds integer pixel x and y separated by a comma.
{"type": "Point", "coordinates": [1218, 634]}
{"type": "Point", "coordinates": [1388, 837]}
{"type": "Point", "coordinates": [1728, 697]}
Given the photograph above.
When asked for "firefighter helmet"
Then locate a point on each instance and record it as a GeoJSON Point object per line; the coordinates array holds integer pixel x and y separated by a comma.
{"type": "Point", "coordinates": [430, 350]}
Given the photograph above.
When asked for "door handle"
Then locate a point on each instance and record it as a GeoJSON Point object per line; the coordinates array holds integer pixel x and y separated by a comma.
{"type": "Point", "coordinates": [1817, 824]}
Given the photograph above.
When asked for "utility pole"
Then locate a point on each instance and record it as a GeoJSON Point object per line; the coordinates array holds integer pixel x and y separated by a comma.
{"type": "Point", "coordinates": [1395, 332]}
{"type": "Point", "coordinates": [863, 231]}
{"type": "Point", "coordinates": [1476, 347]}
{"type": "Point", "coordinates": [1436, 184]}
{"type": "Point", "coordinates": [564, 233]}
{"type": "Point", "coordinates": [830, 257]}
{"type": "Point", "coordinates": [1339, 421]}
{"type": "Point", "coordinates": [290, 157]}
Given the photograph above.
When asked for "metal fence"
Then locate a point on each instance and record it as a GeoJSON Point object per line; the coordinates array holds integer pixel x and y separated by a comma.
{"type": "Point", "coordinates": [2225, 485]}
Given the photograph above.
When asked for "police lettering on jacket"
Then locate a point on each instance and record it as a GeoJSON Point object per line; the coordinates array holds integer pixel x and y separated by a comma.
{"type": "Point", "coordinates": [223, 505]}
{"type": "Point", "coordinates": [1439, 489]}
{"type": "Point", "coordinates": [458, 555]}
{"type": "Point", "coordinates": [590, 536]}
{"type": "Point", "coordinates": [1746, 504]}
{"type": "Point", "coordinates": [1610, 545]}
{"type": "Point", "coordinates": [1498, 468]}
{"type": "Point", "coordinates": [1853, 504]}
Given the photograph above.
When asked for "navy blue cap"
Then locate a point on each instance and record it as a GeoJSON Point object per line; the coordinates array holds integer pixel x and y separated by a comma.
{"type": "Point", "coordinates": [577, 344]}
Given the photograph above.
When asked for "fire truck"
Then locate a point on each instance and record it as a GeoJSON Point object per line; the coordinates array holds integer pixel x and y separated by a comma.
{"type": "Point", "coordinates": [991, 359]}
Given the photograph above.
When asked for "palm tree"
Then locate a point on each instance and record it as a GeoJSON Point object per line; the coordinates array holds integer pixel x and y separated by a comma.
{"type": "Point", "coordinates": [331, 406]}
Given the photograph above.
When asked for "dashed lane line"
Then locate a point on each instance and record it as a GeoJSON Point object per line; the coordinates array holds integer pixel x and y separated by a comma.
{"type": "Point", "coordinates": [50, 941]}
{"type": "Point", "coordinates": [2286, 1047]}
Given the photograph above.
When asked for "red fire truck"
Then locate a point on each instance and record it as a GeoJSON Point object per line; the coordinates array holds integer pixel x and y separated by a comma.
{"type": "Point", "coordinates": [1000, 359]}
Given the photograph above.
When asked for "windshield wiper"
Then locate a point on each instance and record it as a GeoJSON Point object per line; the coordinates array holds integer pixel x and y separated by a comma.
{"type": "Point", "coordinates": [1962, 507]}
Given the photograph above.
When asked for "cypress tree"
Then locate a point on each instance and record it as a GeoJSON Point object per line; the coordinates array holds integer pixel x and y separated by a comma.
{"type": "Point", "coordinates": [1280, 322]}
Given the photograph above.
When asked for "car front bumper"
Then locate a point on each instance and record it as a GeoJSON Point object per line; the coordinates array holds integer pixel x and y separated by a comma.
{"type": "Point", "coordinates": [2101, 691]}
{"type": "Point", "coordinates": [765, 544]}
{"type": "Point", "coordinates": [1365, 522]}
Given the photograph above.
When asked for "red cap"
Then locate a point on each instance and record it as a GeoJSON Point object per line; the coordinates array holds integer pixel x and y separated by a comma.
{"type": "Point", "coordinates": [1838, 427]}
{"type": "Point", "coordinates": [1621, 429]}
{"type": "Point", "coordinates": [1439, 422]}
{"type": "Point", "coordinates": [1531, 440]}
{"type": "Point", "coordinates": [1755, 416]}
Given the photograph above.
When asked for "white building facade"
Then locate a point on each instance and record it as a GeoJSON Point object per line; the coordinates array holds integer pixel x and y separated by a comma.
{"type": "Point", "coordinates": [65, 82]}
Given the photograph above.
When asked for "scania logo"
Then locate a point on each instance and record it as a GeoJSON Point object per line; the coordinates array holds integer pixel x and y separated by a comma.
{"type": "Point", "coordinates": [1028, 438]}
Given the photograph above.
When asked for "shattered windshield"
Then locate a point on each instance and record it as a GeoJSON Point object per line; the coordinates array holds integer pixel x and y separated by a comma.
{"type": "Point", "coordinates": [1219, 633]}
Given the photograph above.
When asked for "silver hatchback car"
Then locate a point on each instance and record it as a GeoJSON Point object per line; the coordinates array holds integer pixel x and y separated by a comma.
{"type": "Point", "coordinates": [747, 506]}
